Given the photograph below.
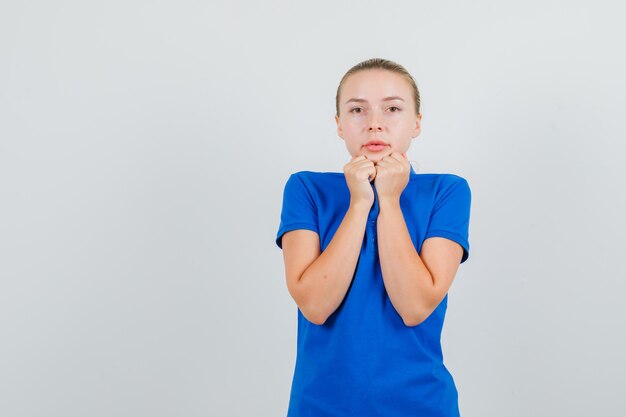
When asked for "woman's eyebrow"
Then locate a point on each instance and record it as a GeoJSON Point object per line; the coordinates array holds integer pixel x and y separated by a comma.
{"type": "Point", "coordinates": [361, 100]}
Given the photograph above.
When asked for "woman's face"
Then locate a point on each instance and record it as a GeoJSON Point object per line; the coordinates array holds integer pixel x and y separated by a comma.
{"type": "Point", "coordinates": [377, 104]}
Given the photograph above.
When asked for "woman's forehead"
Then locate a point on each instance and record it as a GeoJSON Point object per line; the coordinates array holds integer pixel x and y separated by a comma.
{"type": "Point", "coordinates": [376, 85]}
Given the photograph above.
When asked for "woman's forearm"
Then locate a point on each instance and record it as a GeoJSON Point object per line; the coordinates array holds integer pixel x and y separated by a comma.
{"type": "Point", "coordinates": [407, 280]}
{"type": "Point", "coordinates": [327, 279]}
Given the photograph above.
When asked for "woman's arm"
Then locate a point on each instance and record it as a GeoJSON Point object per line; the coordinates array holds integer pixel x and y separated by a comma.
{"type": "Point", "coordinates": [415, 285]}
{"type": "Point", "coordinates": [318, 282]}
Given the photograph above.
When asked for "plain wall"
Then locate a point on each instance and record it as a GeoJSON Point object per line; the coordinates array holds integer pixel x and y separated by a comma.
{"type": "Point", "coordinates": [144, 147]}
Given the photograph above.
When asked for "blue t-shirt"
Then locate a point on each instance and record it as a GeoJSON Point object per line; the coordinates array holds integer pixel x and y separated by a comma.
{"type": "Point", "coordinates": [364, 361]}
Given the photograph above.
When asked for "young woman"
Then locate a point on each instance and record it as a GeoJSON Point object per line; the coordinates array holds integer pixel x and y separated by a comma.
{"type": "Point", "coordinates": [370, 255]}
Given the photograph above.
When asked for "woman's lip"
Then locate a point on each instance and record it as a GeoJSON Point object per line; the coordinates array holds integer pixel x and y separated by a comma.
{"type": "Point", "coordinates": [376, 148]}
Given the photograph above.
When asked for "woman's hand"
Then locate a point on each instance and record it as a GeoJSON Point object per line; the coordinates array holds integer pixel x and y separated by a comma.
{"type": "Point", "coordinates": [392, 176]}
{"type": "Point", "coordinates": [359, 173]}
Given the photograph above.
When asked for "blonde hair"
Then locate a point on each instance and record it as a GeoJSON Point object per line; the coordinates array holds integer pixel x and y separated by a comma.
{"type": "Point", "coordinates": [384, 64]}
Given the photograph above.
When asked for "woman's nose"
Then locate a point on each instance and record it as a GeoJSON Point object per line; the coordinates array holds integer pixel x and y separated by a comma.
{"type": "Point", "coordinates": [374, 122]}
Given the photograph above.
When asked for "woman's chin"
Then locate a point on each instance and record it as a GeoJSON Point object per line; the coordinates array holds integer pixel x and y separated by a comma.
{"type": "Point", "coordinates": [378, 156]}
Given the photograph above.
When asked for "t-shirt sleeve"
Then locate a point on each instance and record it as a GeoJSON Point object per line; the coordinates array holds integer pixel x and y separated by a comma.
{"type": "Point", "coordinates": [451, 215]}
{"type": "Point", "coordinates": [298, 211]}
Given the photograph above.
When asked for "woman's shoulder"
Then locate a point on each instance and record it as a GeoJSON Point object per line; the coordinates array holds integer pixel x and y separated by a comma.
{"type": "Point", "coordinates": [319, 176]}
{"type": "Point", "coordinates": [316, 180]}
{"type": "Point", "coordinates": [318, 173]}
{"type": "Point", "coordinates": [437, 178]}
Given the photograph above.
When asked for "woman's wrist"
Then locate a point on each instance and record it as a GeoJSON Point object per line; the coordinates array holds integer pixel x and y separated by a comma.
{"type": "Point", "coordinates": [360, 206]}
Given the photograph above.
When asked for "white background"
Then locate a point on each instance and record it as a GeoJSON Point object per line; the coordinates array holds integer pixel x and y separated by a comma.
{"type": "Point", "coordinates": [144, 147]}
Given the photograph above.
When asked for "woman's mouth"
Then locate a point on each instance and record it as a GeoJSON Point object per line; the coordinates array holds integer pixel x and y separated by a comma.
{"type": "Point", "coordinates": [376, 147]}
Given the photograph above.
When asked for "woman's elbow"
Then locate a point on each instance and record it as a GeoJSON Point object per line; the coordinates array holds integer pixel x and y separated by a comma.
{"type": "Point", "coordinates": [416, 318]}
{"type": "Point", "coordinates": [317, 319]}
{"type": "Point", "coordinates": [313, 313]}
{"type": "Point", "coordinates": [412, 321]}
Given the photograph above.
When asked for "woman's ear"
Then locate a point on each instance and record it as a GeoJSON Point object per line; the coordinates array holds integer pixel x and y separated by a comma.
{"type": "Point", "coordinates": [339, 131]}
{"type": "Point", "coordinates": [418, 126]}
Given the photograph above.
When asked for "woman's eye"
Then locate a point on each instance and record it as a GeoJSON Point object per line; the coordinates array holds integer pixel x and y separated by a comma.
{"type": "Point", "coordinates": [354, 110]}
